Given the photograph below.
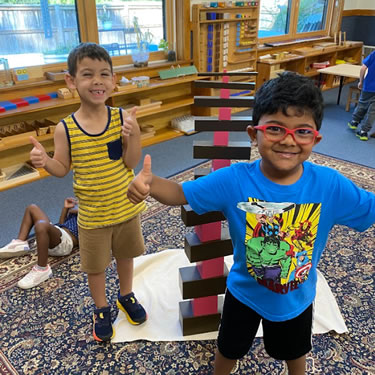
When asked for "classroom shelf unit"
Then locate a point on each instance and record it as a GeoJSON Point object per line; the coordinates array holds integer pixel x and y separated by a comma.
{"type": "Point", "coordinates": [170, 98]}
{"type": "Point", "coordinates": [225, 38]}
{"type": "Point", "coordinates": [306, 60]}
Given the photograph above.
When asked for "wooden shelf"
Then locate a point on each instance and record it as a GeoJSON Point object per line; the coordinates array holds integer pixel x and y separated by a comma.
{"type": "Point", "coordinates": [223, 20]}
{"type": "Point", "coordinates": [160, 136]}
{"type": "Point", "coordinates": [308, 55]}
{"type": "Point", "coordinates": [311, 73]}
{"type": "Point", "coordinates": [7, 145]}
{"type": "Point", "coordinates": [176, 96]}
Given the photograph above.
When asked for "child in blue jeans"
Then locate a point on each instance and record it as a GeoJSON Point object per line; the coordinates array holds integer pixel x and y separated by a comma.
{"type": "Point", "coordinates": [364, 113]}
{"type": "Point", "coordinates": [280, 210]}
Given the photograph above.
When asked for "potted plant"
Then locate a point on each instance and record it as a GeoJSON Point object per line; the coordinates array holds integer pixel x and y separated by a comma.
{"type": "Point", "coordinates": [141, 54]}
{"type": "Point", "coordinates": [163, 44]}
{"type": "Point", "coordinates": [169, 54]}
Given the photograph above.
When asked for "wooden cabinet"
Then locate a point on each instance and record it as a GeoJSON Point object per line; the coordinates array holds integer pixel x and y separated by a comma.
{"type": "Point", "coordinates": [307, 59]}
{"type": "Point", "coordinates": [225, 38]}
{"type": "Point", "coordinates": [165, 100]}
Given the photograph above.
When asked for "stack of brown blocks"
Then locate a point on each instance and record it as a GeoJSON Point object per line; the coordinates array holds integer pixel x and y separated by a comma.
{"type": "Point", "coordinates": [202, 283]}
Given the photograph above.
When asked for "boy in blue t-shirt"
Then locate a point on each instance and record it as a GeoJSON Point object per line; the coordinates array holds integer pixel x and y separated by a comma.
{"type": "Point", "coordinates": [280, 210]}
{"type": "Point", "coordinates": [365, 109]}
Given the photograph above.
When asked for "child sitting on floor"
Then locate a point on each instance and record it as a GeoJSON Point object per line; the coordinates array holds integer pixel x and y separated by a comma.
{"type": "Point", "coordinates": [51, 239]}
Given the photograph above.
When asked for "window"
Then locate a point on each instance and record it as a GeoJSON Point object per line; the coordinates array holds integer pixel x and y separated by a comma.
{"type": "Point", "coordinates": [273, 18]}
{"type": "Point", "coordinates": [311, 15]}
{"type": "Point", "coordinates": [293, 19]}
{"type": "Point", "coordinates": [37, 32]}
{"type": "Point", "coordinates": [127, 25]}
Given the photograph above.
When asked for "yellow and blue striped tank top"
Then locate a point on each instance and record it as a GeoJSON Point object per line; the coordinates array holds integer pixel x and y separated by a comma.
{"type": "Point", "coordinates": [100, 176]}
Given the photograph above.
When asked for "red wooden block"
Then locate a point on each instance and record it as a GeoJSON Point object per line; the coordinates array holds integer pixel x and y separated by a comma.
{"type": "Point", "coordinates": [211, 268]}
{"type": "Point", "coordinates": [2, 109]}
{"type": "Point", "coordinates": [43, 97]}
{"type": "Point", "coordinates": [221, 138]}
{"type": "Point", "coordinates": [208, 232]}
{"type": "Point", "coordinates": [220, 163]}
{"type": "Point", "coordinates": [204, 305]}
{"type": "Point", "coordinates": [225, 113]}
{"type": "Point", "coordinates": [20, 102]}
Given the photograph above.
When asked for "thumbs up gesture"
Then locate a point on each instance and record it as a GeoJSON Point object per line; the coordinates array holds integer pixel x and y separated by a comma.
{"type": "Point", "coordinates": [130, 125]}
{"type": "Point", "coordinates": [38, 155]}
{"type": "Point", "coordinates": [140, 187]}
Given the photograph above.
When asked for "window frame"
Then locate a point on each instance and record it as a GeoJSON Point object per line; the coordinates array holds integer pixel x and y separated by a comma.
{"type": "Point", "coordinates": [293, 21]}
{"type": "Point", "coordinates": [88, 32]}
{"type": "Point", "coordinates": [86, 10]}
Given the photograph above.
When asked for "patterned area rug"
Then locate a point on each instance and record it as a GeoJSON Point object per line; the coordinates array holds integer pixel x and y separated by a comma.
{"type": "Point", "coordinates": [47, 330]}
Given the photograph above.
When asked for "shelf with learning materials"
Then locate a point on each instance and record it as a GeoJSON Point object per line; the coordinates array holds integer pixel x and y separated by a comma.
{"type": "Point", "coordinates": [158, 103]}
{"type": "Point", "coordinates": [306, 58]}
{"type": "Point", "coordinates": [225, 38]}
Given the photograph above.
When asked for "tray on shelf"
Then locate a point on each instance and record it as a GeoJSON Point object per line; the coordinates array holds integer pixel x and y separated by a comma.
{"type": "Point", "coordinates": [18, 173]}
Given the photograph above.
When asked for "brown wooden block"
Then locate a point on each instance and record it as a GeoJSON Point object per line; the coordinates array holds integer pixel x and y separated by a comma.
{"type": "Point", "coordinates": [191, 218]}
{"type": "Point", "coordinates": [223, 85]}
{"type": "Point", "coordinates": [216, 101]}
{"type": "Point", "coordinates": [192, 325]}
{"type": "Point", "coordinates": [211, 124]}
{"type": "Point", "coordinates": [193, 286]}
{"type": "Point", "coordinates": [142, 101]}
{"type": "Point", "coordinates": [197, 251]}
{"type": "Point", "coordinates": [234, 150]}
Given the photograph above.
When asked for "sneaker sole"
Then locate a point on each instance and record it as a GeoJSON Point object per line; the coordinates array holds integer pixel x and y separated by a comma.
{"type": "Point", "coordinates": [352, 127]}
{"type": "Point", "coordinates": [130, 320]}
{"type": "Point", "coordinates": [34, 285]}
{"type": "Point", "coordinates": [362, 138]}
{"type": "Point", "coordinates": [101, 339]}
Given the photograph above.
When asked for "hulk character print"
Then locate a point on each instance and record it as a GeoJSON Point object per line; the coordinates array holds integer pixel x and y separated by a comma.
{"type": "Point", "coordinates": [279, 242]}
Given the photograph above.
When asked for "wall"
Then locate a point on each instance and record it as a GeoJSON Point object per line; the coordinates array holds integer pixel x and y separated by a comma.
{"type": "Point", "coordinates": [359, 4]}
{"type": "Point", "coordinates": [359, 21]}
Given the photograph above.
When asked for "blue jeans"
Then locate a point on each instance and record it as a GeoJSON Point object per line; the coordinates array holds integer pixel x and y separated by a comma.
{"type": "Point", "coordinates": [365, 110]}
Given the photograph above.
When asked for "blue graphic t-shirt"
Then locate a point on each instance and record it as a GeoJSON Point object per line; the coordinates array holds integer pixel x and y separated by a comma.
{"type": "Point", "coordinates": [279, 231]}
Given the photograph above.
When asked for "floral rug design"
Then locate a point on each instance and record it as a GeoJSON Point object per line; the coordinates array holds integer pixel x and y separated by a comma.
{"type": "Point", "coordinates": [47, 330]}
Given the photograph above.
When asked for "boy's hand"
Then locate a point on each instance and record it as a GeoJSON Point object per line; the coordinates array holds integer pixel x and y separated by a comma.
{"type": "Point", "coordinates": [130, 125]}
{"type": "Point", "coordinates": [38, 155]}
{"type": "Point", "coordinates": [139, 188]}
{"type": "Point", "coordinates": [70, 202]}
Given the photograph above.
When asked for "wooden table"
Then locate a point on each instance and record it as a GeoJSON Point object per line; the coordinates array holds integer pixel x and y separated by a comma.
{"type": "Point", "coordinates": [342, 70]}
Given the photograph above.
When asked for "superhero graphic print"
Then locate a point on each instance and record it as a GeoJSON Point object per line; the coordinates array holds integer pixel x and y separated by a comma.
{"type": "Point", "coordinates": [279, 242]}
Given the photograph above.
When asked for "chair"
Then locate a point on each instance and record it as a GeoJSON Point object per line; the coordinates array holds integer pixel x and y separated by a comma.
{"type": "Point", "coordinates": [352, 99]}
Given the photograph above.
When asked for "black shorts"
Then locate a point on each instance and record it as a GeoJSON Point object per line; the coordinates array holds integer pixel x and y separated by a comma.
{"type": "Point", "coordinates": [285, 340]}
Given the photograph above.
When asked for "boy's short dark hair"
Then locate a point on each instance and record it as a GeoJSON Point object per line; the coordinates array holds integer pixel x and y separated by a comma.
{"type": "Point", "coordinates": [90, 50]}
{"type": "Point", "coordinates": [289, 89]}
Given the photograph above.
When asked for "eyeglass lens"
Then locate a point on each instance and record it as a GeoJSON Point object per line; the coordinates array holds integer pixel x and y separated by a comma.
{"type": "Point", "coordinates": [301, 135]}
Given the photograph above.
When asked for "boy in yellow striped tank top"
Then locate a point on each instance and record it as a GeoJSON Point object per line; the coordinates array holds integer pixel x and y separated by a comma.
{"type": "Point", "coordinates": [103, 146]}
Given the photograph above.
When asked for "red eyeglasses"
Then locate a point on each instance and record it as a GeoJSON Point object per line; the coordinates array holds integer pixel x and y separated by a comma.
{"type": "Point", "coordinates": [276, 133]}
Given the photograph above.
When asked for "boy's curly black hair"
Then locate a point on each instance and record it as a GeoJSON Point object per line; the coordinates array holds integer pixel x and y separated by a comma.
{"type": "Point", "coordinates": [289, 89]}
{"type": "Point", "coordinates": [90, 50]}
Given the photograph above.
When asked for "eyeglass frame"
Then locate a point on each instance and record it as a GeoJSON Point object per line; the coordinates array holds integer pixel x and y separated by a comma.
{"type": "Point", "coordinates": [263, 127]}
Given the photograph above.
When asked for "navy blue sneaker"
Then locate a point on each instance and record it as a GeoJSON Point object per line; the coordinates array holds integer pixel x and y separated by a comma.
{"type": "Point", "coordinates": [363, 136]}
{"type": "Point", "coordinates": [102, 325]}
{"type": "Point", "coordinates": [133, 310]}
{"type": "Point", "coordinates": [353, 125]}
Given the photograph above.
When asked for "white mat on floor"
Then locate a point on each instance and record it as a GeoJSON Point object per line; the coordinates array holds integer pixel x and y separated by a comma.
{"type": "Point", "coordinates": [156, 285]}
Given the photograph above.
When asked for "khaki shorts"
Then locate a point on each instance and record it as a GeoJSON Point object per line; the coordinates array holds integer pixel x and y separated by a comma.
{"type": "Point", "coordinates": [65, 247]}
{"type": "Point", "coordinates": [95, 245]}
